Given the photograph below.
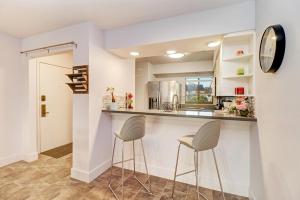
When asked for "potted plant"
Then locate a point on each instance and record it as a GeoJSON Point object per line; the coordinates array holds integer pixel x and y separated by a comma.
{"type": "Point", "coordinates": [113, 105]}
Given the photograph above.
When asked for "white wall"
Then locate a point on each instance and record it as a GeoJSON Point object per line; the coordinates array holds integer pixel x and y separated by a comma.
{"type": "Point", "coordinates": [91, 146]}
{"type": "Point", "coordinates": [105, 70]}
{"type": "Point", "coordinates": [143, 74]}
{"type": "Point", "coordinates": [80, 34]}
{"type": "Point", "coordinates": [62, 59]}
{"type": "Point", "coordinates": [11, 88]}
{"type": "Point", "coordinates": [238, 17]}
{"type": "Point", "coordinates": [276, 150]}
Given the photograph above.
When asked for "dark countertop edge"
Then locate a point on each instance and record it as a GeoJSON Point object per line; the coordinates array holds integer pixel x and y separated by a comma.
{"type": "Point", "coordinates": [237, 118]}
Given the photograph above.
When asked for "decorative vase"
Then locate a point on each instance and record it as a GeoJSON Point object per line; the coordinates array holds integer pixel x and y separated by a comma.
{"type": "Point", "coordinates": [244, 113]}
{"type": "Point", "coordinates": [114, 106]}
{"type": "Point", "coordinates": [240, 71]}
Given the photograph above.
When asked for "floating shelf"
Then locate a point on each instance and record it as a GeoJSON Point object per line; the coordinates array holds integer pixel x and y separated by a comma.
{"type": "Point", "coordinates": [239, 58]}
{"type": "Point", "coordinates": [238, 95]}
{"type": "Point", "coordinates": [229, 63]}
{"type": "Point", "coordinates": [238, 76]}
{"type": "Point", "coordinates": [79, 79]}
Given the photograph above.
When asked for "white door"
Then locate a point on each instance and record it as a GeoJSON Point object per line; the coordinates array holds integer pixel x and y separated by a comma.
{"type": "Point", "coordinates": [56, 98]}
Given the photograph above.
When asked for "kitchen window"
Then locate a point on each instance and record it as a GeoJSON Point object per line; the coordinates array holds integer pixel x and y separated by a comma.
{"type": "Point", "coordinates": [198, 90]}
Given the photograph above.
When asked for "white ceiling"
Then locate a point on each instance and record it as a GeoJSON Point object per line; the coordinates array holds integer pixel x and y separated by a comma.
{"type": "Point", "coordinates": [23, 18]}
{"type": "Point", "coordinates": [159, 49]}
{"type": "Point", "coordinates": [189, 57]}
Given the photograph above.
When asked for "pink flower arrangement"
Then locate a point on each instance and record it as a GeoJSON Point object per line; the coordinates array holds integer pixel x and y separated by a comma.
{"type": "Point", "coordinates": [130, 100]}
{"type": "Point", "coordinates": [241, 105]}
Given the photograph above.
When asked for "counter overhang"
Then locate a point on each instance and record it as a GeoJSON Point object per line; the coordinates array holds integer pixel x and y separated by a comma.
{"type": "Point", "coordinates": [185, 114]}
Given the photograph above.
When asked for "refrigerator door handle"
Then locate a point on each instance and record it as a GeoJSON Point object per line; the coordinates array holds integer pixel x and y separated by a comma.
{"type": "Point", "coordinates": [158, 100]}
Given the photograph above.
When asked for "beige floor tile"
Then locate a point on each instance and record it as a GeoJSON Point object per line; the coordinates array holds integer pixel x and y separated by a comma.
{"type": "Point", "coordinates": [49, 179]}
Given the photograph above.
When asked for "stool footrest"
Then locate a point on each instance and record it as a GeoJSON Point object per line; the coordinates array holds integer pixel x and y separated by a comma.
{"type": "Point", "coordinates": [202, 195]}
{"type": "Point", "coordinates": [143, 185]}
{"type": "Point", "coordinates": [116, 196]}
{"type": "Point", "coordinates": [185, 173]}
{"type": "Point", "coordinates": [140, 182]}
{"type": "Point", "coordinates": [123, 161]}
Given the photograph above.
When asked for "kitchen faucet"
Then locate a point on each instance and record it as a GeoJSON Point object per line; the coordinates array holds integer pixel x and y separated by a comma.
{"type": "Point", "coordinates": [175, 105]}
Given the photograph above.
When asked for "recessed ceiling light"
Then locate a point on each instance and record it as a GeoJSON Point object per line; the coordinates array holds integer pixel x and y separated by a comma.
{"type": "Point", "coordinates": [214, 44]}
{"type": "Point", "coordinates": [134, 53]}
{"type": "Point", "coordinates": [171, 52]}
{"type": "Point", "coordinates": [176, 55]}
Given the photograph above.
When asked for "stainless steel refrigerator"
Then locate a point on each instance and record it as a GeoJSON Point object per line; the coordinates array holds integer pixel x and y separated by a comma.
{"type": "Point", "coordinates": [162, 93]}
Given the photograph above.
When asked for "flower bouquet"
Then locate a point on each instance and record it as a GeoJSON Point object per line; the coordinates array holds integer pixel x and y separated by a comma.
{"type": "Point", "coordinates": [240, 106]}
{"type": "Point", "coordinates": [129, 100]}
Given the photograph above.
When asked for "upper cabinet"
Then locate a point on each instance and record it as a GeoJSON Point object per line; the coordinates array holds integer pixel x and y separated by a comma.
{"type": "Point", "coordinates": [235, 64]}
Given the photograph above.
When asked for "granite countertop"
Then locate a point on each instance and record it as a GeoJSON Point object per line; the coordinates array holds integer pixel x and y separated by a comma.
{"type": "Point", "coordinates": [206, 114]}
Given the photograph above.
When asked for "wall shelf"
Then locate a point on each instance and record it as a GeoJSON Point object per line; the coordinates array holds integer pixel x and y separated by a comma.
{"type": "Point", "coordinates": [79, 78]}
{"type": "Point", "coordinates": [239, 58]}
{"type": "Point", "coordinates": [238, 76]}
{"type": "Point", "coordinates": [228, 64]}
{"type": "Point", "coordinates": [238, 95]}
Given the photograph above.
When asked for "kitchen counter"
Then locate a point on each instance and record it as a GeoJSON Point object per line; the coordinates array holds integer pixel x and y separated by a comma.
{"type": "Point", "coordinates": [163, 129]}
{"type": "Point", "coordinates": [206, 114]}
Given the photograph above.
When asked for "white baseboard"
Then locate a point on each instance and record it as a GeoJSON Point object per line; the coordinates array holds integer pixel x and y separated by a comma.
{"type": "Point", "coordinates": [99, 170]}
{"type": "Point", "coordinates": [251, 195]}
{"type": "Point", "coordinates": [10, 159]}
{"type": "Point", "coordinates": [89, 176]}
{"type": "Point", "coordinates": [80, 175]}
{"type": "Point", "coordinates": [31, 157]}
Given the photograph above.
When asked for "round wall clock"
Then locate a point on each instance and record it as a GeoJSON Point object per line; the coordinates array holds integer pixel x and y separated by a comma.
{"type": "Point", "coordinates": [272, 48]}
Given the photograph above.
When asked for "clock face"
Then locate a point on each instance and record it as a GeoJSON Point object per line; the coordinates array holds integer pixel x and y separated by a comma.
{"type": "Point", "coordinates": [272, 48]}
{"type": "Point", "coordinates": [267, 49]}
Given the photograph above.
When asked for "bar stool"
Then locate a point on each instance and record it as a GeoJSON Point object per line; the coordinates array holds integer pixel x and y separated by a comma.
{"type": "Point", "coordinates": [133, 129]}
{"type": "Point", "coordinates": [206, 138]}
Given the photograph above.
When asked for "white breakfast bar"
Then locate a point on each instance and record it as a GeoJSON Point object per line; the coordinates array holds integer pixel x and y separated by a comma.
{"type": "Point", "coordinates": [164, 128]}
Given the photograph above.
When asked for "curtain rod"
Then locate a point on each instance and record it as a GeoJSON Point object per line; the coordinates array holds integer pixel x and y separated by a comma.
{"type": "Point", "coordinates": [49, 47]}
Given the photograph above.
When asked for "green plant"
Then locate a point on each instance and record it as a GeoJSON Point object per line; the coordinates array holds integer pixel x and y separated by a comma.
{"type": "Point", "coordinates": [111, 91]}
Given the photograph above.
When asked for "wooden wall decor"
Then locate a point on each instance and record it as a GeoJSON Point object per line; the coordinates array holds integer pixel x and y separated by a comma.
{"type": "Point", "coordinates": [80, 80]}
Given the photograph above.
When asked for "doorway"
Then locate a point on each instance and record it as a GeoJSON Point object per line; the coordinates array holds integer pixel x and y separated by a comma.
{"type": "Point", "coordinates": [54, 104]}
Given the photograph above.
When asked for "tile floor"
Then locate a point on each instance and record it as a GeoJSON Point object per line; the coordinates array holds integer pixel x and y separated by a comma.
{"type": "Point", "coordinates": [49, 179]}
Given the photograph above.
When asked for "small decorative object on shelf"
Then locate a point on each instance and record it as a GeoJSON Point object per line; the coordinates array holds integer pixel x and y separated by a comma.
{"type": "Point", "coordinates": [113, 105]}
{"type": "Point", "coordinates": [240, 71]}
{"type": "Point", "coordinates": [129, 100]}
{"type": "Point", "coordinates": [80, 80]}
{"type": "Point", "coordinates": [239, 90]}
{"type": "Point", "coordinates": [240, 52]}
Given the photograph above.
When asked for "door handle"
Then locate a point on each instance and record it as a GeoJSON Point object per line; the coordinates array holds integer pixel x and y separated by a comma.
{"type": "Point", "coordinates": [44, 110]}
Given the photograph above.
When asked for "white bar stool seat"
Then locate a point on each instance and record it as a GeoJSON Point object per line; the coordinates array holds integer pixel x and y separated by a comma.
{"type": "Point", "coordinates": [206, 138]}
{"type": "Point", "coordinates": [187, 140]}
